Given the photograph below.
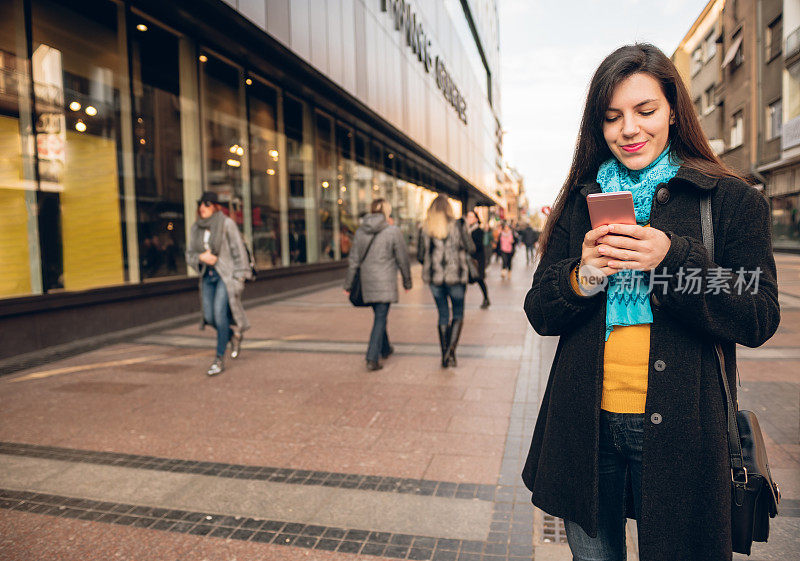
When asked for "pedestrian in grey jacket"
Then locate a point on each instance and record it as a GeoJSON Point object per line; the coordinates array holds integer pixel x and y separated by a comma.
{"type": "Point", "coordinates": [443, 248]}
{"type": "Point", "coordinates": [216, 251]}
{"type": "Point", "coordinates": [378, 274]}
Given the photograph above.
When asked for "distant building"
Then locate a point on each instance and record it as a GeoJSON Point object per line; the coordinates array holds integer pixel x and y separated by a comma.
{"type": "Point", "coordinates": [741, 63]}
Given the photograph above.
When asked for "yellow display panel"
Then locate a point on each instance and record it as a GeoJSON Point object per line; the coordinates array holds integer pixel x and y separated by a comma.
{"type": "Point", "coordinates": [15, 279]}
{"type": "Point", "coordinates": [90, 216]}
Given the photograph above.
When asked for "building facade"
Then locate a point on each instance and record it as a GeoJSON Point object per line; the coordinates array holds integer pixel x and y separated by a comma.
{"type": "Point", "coordinates": [747, 96]}
{"type": "Point", "coordinates": [115, 116]}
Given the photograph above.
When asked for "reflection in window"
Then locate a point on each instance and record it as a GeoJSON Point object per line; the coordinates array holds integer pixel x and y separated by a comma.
{"type": "Point", "coordinates": [326, 183]}
{"type": "Point", "coordinates": [19, 244]}
{"type": "Point", "coordinates": [348, 189]}
{"type": "Point", "coordinates": [264, 174]}
{"type": "Point", "coordinates": [225, 132]}
{"type": "Point", "coordinates": [298, 164]}
{"type": "Point", "coordinates": [157, 150]}
{"type": "Point", "coordinates": [77, 96]}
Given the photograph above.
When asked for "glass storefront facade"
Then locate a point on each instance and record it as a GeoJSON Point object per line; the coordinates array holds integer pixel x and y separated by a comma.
{"type": "Point", "coordinates": [112, 125]}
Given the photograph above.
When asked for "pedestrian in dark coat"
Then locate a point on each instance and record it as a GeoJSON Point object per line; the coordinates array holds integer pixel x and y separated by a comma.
{"type": "Point", "coordinates": [671, 468]}
{"type": "Point", "coordinates": [378, 273]}
{"type": "Point", "coordinates": [478, 256]}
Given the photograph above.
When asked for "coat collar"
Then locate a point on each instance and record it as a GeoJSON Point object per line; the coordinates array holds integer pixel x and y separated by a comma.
{"type": "Point", "coordinates": [687, 175]}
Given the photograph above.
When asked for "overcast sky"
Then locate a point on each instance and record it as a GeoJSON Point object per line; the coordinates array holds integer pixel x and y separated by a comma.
{"type": "Point", "coordinates": [549, 50]}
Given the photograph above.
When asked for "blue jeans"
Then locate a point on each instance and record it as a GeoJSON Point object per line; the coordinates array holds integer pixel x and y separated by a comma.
{"type": "Point", "coordinates": [378, 338]}
{"type": "Point", "coordinates": [216, 311]}
{"type": "Point", "coordinates": [455, 292]}
{"type": "Point", "coordinates": [621, 436]}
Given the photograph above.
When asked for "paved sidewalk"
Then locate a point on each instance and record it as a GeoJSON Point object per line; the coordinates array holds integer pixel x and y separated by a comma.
{"type": "Point", "coordinates": [297, 452]}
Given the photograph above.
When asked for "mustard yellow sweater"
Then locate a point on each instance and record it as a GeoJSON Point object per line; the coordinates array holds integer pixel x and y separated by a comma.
{"type": "Point", "coordinates": [626, 356]}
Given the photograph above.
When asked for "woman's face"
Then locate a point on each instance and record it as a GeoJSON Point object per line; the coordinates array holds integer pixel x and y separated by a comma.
{"type": "Point", "coordinates": [206, 209]}
{"type": "Point", "coordinates": [471, 218]}
{"type": "Point", "coordinates": [636, 123]}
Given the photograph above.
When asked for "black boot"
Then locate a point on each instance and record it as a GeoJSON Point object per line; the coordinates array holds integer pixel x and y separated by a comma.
{"type": "Point", "coordinates": [455, 333]}
{"type": "Point", "coordinates": [444, 342]}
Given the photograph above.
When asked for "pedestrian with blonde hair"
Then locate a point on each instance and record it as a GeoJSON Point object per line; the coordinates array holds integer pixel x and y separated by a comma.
{"type": "Point", "coordinates": [444, 247]}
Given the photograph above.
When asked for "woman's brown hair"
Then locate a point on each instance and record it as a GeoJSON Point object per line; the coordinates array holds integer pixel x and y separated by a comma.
{"type": "Point", "coordinates": [687, 140]}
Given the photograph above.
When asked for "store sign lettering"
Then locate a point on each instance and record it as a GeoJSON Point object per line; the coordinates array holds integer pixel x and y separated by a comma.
{"type": "Point", "coordinates": [410, 25]}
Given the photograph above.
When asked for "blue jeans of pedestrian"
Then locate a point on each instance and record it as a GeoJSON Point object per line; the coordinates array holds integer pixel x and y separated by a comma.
{"type": "Point", "coordinates": [453, 292]}
{"type": "Point", "coordinates": [378, 338]}
{"type": "Point", "coordinates": [621, 436]}
{"type": "Point", "coordinates": [216, 310]}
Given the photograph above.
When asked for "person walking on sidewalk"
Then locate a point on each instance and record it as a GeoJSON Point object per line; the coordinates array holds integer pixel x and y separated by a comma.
{"type": "Point", "coordinates": [506, 243]}
{"type": "Point", "coordinates": [478, 256]}
{"type": "Point", "coordinates": [634, 409]}
{"type": "Point", "coordinates": [216, 250]}
{"type": "Point", "coordinates": [444, 247]}
{"type": "Point", "coordinates": [379, 248]}
{"type": "Point", "coordinates": [529, 238]}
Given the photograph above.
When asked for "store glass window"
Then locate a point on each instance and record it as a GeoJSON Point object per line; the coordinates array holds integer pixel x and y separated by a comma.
{"type": "Point", "coordinates": [348, 190]}
{"type": "Point", "coordinates": [299, 164]}
{"type": "Point", "coordinates": [786, 221]}
{"type": "Point", "coordinates": [265, 161]}
{"type": "Point", "coordinates": [79, 84]}
{"type": "Point", "coordinates": [328, 200]}
{"type": "Point", "coordinates": [225, 133]}
{"type": "Point", "coordinates": [19, 242]}
{"type": "Point", "coordinates": [363, 177]}
{"type": "Point", "coordinates": [157, 150]}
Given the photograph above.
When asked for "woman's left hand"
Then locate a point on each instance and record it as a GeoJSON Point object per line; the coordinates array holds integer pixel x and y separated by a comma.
{"type": "Point", "coordinates": [633, 247]}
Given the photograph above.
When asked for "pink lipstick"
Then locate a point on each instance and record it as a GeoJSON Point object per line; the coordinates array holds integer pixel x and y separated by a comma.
{"type": "Point", "coordinates": [633, 147]}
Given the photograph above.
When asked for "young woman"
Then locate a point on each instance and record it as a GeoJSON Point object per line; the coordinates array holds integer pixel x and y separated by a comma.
{"type": "Point", "coordinates": [216, 251]}
{"type": "Point", "coordinates": [506, 244]}
{"type": "Point", "coordinates": [379, 265]}
{"type": "Point", "coordinates": [444, 246]}
{"type": "Point", "coordinates": [633, 407]}
{"type": "Point", "coordinates": [479, 255]}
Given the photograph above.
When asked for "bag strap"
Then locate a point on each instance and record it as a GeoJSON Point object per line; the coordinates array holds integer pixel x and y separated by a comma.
{"type": "Point", "coordinates": [734, 442]}
{"type": "Point", "coordinates": [369, 245]}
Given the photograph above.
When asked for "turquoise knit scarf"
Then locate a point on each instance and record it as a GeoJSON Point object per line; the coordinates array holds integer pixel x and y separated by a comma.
{"type": "Point", "coordinates": [627, 295]}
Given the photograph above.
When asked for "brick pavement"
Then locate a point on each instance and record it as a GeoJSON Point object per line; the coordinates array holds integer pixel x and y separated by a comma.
{"type": "Point", "coordinates": [299, 416]}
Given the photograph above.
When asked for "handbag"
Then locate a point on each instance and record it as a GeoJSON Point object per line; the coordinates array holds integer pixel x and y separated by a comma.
{"type": "Point", "coordinates": [754, 495]}
{"type": "Point", "coordinates": [356, 296]}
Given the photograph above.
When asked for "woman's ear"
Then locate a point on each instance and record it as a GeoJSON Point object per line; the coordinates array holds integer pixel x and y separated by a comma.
{"type": "Point", "coordinates": [672, 117]}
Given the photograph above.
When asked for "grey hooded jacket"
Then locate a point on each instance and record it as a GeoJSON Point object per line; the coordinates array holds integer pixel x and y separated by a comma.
{"type": "Point", "coordinates": [387, 254]}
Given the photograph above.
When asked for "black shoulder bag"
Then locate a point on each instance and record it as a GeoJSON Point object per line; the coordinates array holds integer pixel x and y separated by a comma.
{"type": "Point", "coordinates": [356, 296]}
{"type": "Point", "coordinates": [754, 495]}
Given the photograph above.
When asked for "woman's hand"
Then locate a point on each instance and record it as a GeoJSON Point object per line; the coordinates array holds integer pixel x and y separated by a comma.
{"type": "Point", "coordinates": [590, 254]}
{"type": "Point", "coordinates": [208, 258]}
{"type": "Point", "coordinates": [633, 247]}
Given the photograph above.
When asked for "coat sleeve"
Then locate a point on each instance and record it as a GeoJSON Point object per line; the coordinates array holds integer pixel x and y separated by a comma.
{"type": "Point", "coordinates": [192, 257]}
{"type": "Point", "coordinates": [401, 257]}
{"type": "Point", "coordinates": [352, 260]}
{"type": "Point", "coordinates": [552, 306]}
{"type": "Point", "coordinates": [721, 304]}
{"type": "Point", "coordinates": [241, 266]}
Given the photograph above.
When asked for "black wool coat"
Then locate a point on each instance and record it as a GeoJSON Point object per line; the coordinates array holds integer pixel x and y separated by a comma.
{"type": "Point", "coordinates": [686, 477]}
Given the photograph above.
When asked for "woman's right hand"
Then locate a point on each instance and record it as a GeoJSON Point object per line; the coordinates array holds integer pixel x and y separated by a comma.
{"type": "Point", "coordinates": [590, 255]}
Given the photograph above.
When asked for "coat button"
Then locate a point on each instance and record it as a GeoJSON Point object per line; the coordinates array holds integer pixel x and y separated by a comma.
{"type": "Point", "coordinates": [659, 365]}
{"type": "Point", "coordinates": [662, 195]}
{"type": "Point", "coordinates": [655, 418]}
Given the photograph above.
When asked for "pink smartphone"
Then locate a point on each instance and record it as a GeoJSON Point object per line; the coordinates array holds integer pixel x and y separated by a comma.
{"type": "Point", "coordinates": [611, 208]}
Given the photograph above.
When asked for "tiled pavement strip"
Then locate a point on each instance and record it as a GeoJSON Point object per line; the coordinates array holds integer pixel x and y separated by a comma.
{"type": "Point", "coordinates": [383, 428]}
